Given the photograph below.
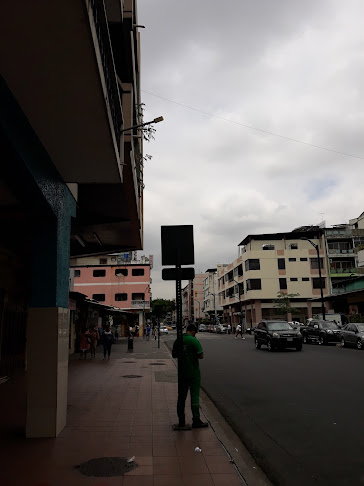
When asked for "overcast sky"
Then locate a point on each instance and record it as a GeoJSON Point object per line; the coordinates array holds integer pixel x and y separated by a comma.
{"type": "Point", "coordinates": [291, 67]}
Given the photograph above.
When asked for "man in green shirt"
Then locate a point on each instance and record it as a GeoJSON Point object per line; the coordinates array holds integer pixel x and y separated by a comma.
{"type": "Point", "coordinates": [192, 352]}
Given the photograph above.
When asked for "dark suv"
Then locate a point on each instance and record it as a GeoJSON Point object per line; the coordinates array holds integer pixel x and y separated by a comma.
{"type": "Point", "coordinates": [323, 332]}
{"type": "Point", "coordinates": [277, 334]}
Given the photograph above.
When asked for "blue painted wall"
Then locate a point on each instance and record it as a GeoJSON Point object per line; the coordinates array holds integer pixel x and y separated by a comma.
{"type": "Point", "coordinates": [51, 205]}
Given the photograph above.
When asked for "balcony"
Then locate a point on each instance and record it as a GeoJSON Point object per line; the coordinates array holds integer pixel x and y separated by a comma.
{"type": "Point", "coordinates": [340, 252]}
{"type": "Point", "coordinates": [342, 272]}
{"type": "Point", "coordinates": [337, 234]}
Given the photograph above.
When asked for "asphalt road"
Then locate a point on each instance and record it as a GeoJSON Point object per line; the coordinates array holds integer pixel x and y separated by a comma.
{"type": "Point", "coordinates": [300, 414]}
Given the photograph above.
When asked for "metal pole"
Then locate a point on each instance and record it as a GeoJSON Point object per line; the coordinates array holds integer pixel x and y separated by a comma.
{"type": "Point", "coordinates": [159, 333]}
{"type": "Point", "coordinates": [179, 330]}
{"type": "Point", "coordinates": [321, 282]}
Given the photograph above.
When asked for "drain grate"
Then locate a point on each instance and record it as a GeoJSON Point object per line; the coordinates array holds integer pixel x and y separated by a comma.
{"type": "Point", "coordinates": [106, 467]}
{"type": "Point", "coordinates": [132, 376]}
{"type": "Point", "coordinates": [157, 364]}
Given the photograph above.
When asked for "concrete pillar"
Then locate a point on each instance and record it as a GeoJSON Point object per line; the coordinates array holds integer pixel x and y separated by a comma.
{"type": "Point", "coordinates": [309, 309]}
{"type": "Point", "coordinates": [258, 311]}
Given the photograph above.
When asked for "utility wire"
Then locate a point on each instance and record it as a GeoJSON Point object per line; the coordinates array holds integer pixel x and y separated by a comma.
{"type": "Point", "coordinates": [254, 128]}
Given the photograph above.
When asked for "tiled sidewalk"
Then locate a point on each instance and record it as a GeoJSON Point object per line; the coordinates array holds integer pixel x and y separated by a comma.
{"type": "Point", "coordinates": [111, 415]}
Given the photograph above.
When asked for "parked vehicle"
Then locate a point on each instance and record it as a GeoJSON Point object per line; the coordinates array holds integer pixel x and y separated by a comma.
{"type": "Point", "coordinates": [277, 334]}
{"type": "Point", "coordinates": [163, 330]}
{"type": "Point", "coordinates": [202, 328]}
{"type": "Point", "coordinates": [322, 332]}
{"type": "Point", "coordinates": [353, 335]}
{"type": "Point", "coordinates": [211, 328]}
{"type": "Point", "coordinates": [221, 329]}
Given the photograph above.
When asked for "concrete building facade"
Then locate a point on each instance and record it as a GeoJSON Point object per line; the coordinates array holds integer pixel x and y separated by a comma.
{"type": "Point", "coordinates": [193, 299]}
{"type": "Point", "coordinates": [71, 182]}
{"type": "Point", "coordinates": [268, 264]}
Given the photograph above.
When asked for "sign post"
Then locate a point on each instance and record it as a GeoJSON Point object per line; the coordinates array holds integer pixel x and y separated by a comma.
{"type": "Point", "coordinates": [178, 250]}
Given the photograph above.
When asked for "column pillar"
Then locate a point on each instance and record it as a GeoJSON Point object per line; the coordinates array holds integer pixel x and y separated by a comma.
{"type": "Point", "coordinates": [309, 309]}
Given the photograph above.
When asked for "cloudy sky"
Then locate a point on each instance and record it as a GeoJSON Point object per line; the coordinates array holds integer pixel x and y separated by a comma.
{"type": "Point", "coordinates": [227, 76]}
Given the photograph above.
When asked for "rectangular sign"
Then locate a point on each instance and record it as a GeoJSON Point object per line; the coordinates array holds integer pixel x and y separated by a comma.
{"type": "Point", "coordinates": [177, 245]}
{"type": "Point", "coordinates": [174, 274]}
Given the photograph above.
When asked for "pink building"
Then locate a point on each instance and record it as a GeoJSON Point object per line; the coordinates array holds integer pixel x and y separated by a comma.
{"type": "Point", "coordinates": [119, 284]}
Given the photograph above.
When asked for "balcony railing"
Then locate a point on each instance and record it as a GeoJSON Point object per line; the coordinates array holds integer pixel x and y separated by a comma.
{"type": "Point", "coordinates": [107, 60]}
{"type": "Point", "coordinates": [338, 291]}
{"type": "Point", "coordinates": [342, 270]}
{"type": "Point", "coordinates": [332, 251]}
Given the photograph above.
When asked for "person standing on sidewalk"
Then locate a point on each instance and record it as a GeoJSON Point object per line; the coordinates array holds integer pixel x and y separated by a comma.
{"type": "Point", "coordinates": [192, 353]}
{"type": "Point", "coordinates": [84, 342]}
{"type": "Point", "coordinates": [107, 339]}
{"type": "Point", "coordinates": [94, 336]}
{"type": "Point", "coordinates": [239, 331]}
{"type": "Point", "coordinates": [148, 332]}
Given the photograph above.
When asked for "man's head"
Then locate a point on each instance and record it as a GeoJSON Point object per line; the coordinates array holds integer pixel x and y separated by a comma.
{"type": "Point", "coordinates": [191, 329]}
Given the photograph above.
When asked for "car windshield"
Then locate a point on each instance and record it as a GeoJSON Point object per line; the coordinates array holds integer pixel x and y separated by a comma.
{"type": "Point", "coordinates": [279, 326]}
{"type": "Point", "coordinates": [329, 325]}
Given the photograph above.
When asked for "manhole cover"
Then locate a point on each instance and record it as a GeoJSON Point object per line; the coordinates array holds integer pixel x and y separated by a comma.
{"type": "Point", "coordinates": [107, 467]}
{"type": "Point", "coordinates": [157, 364]}
{"type": "Point", "coordinates": [132, 376]}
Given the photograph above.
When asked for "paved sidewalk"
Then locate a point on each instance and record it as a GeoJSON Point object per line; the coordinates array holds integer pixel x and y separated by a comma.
{"type": "Point", "coordinates": [112, 414]}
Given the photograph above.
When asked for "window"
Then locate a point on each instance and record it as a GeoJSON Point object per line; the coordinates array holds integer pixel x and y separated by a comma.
{"type": "Point", "coordinates": [281, 264]}
{"type": "Point", "coordinates": [252, 264]}
{"type": "Point", "coordinates": [99, 297]}
{"type": "Point", "coordinates": [103, 261]}
{"type": "Point", "coordinates": [137, 272]}
{"type": "Point", "coordinates": [137, 296]}
{"type": "Point", "coordinates": [268, 247]}
{"type": "Point", "coordinates": [283, 283]}
{"type": "Point", "coordinates": [293, 279]}
{"type": "Point", "coordinates": [314, 263]}
{"type": "Point", "coordinates": [121, 272]}
{"type": "Point", "coordinates": [291, 259]}
{"type": "Point", "coordinates": [121, 297]}
{"type": "Point", "coordinates": [316, 283]}
{"type": "Point", "coordinates": [305, 279]}
{"type": "Point", "coordinates": [254, 284]}
{"type": "Point", "coordinates": [303, 259]}
{"type": "Point", "coordinates": [113, 259]}
{"type": "Point", "coordinates": [293, 246]}
{"type": "Point", "coordinates": [77, 273]}
{"type": "Point", "coordinates": [99, 273]}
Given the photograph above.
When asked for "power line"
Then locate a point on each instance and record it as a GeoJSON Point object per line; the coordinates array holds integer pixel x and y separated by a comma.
{"type": "Point", "coordinates": [254, 128]}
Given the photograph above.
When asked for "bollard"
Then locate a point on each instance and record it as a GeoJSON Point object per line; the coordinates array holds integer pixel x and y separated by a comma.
{"type": "Point", "coordinates": [130, 344]}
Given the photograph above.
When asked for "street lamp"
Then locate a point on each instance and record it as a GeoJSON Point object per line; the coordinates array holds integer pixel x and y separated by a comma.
{"type": "Point", "coordinates": [156, 120]}
{"type": "Point", "coordinates": [241, 310]}
{"type": "Point", "coordinates": [319, 268]}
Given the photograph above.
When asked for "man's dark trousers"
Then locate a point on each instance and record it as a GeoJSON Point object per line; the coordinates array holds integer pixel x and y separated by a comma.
{"type": "Point", "coordinates": [192, 384]}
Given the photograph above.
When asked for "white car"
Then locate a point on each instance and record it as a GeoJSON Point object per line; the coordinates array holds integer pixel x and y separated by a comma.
{"type": "Point", "coordinates": [163, 330]}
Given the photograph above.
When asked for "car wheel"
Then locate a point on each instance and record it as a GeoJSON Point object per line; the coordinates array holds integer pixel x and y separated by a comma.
{"type": "Point", "coordinates": [257, 344]}
{"type": "Point", "coordinates": [322, 340]}
{"type": "Point", "coordinates": [269, 345]}
{"type": "Point", "coordinates": [359, 344]}
{"type": "Point", "coordinates": [306, 340]}
{"type": "Point", "coordinates": [343, 343]}
{"type": "Point", "coordinates": [299, 347]}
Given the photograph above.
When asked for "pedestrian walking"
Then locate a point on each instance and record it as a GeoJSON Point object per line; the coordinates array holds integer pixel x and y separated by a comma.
{"type": "Point", "coordinates": [238, 331]}
{"type": "Point", "coordinates": [107, 341]}
{"type": "Point", "coordinates": [155, 332]}
{"type": "Point", "coordinates": [84, 342]}
{"type": "Point", "coordinates": [192, 353]}
{"type": "Point", "coordinates": [94, 338]}
{"type": "Point", "coordinates": [148, 332]}
{"type": "Point", "coordinates": [229, 329]}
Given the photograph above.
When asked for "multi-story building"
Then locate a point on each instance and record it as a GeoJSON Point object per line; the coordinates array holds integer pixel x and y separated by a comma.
{"type": "Point", "coordinates": [71, 180]}
{"type": "Point", "coordinates": [211, 306]}
{"type": "Point", "coordinates": [115, 281]}
{"type": "Point", "coordinates": [193, 299]}
{"type": "Point", "coordinates": [268, 264]}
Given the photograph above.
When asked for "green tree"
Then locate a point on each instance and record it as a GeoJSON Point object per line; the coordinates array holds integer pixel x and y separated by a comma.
{"type": "Point", "coordinates": [161, 307]}
{"type": "Point", "coordinates": [283, 303]}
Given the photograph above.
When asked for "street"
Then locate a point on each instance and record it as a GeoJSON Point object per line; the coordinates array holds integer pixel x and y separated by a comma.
{"type": "Point", "coordinates": [300, 414]}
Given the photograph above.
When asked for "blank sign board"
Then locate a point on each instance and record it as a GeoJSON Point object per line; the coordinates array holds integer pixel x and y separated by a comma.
{"type": "Point", "coordinates": [177, 245]}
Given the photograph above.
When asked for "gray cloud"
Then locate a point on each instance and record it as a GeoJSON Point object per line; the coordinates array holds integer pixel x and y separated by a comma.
{"type": "Point", "coordinates": [289, 67]}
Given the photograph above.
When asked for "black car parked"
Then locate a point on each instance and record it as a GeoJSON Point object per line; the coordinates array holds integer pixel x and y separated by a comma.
{"type": "Point", "coordinates": [353, 335]}
{"type": "Point", "coordinates": [322, 332]}
{"type": "Point", "coordinates": [277, 334]}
